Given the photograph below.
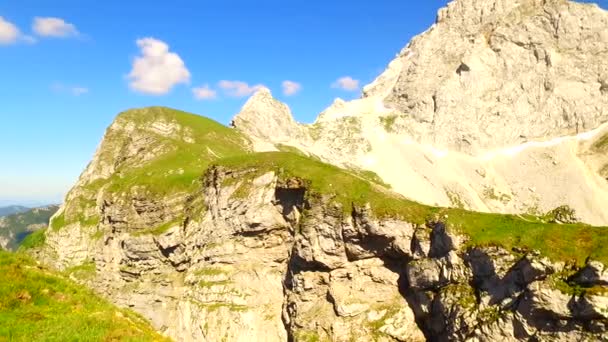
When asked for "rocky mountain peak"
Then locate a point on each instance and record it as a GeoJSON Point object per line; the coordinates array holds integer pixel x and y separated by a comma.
{"type": "Point", "coordinates": [500, 73]}
{"type": "Point", "coordinates": [472, 13]}
{"type": "Point", "coordinates": [264, 118]}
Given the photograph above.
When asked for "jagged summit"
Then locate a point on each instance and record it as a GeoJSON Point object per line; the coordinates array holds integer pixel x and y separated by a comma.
{"type": "Point", "coordinates": [264, 118]}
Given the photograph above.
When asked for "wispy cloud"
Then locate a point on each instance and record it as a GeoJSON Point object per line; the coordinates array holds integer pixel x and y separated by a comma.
{"type": "Point", "coordinates": [291, 88]}
{"type": "Point", "coordinates": [346, 83]}
{"type": "Point", "coordinates": [204, 93]}
{"type": "Point", "coordinates": [54, 27]}
{"type": "Point", "coordinates": [157, 70]}
{"type": "Point", "coordinates": [77, 91]}
{"type": "Point", "coordinates": [61, 88]}
{"type": "Point", "coordinates": [238, 88]}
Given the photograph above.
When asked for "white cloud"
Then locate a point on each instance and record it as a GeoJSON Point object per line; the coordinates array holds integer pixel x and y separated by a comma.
{"type": "Point", "coordinates": [239, 88]}
{"type": "Point", "coordinates": [54, 27]}
{"type": "Point", "coordinates": [204, 93]}
{"type": "Point", "coordinates": [346, 83]}
{"type": "Point", "coordinates": [9, 33]}
{"type": "Point", "coordinates": [157, 70]}
{"type": "Point", "coordinates": [77, 91]}
{"type": "Point", "coordinates": [291, 87]}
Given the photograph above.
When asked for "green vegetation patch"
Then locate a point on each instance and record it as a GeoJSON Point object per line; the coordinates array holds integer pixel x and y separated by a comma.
{"type": "Point", "coordinates": [37, 305]}
{"type": "Point", "coordinates": [306, 336]}
{"type": "Point", "coordinates": [58, 222]}
{"type": "Point", "coordinates": [161, 228]}
{"type": "Point", "coordinates": [388, 122]}
{"type": "Point", "coordinates": [34, 240]}
{"type": "Point", "coordinates": [84, 271]}
{"type": "Point", "coordinates": [562, 282]}
{"type": "Point", "coordinates": [455, 199]}
{"type": "Point", "coordinates": [567, 242]}
{"type": "Point", "coordinates": [209, 272]}
{"type": "Point", "coordinates": [287, 148]}
{"type": "Point", "coordinates": [188, 155]}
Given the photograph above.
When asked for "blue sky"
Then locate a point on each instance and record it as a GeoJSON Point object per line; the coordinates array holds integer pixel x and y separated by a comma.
{"type": "Point", "coordinates": [65, 73]}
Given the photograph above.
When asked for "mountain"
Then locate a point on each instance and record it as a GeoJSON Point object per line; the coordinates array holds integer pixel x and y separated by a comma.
{"type": "Point", "coordinates": [16, 227]}
{"type": "Point", "coordinates": [356, 227]}
{"type": "Point", "coordinates": [501, 106]}
{"type": "Point", "coordinates": [37, 304]}
{"type": "Point", "coordinates": [12, 209]}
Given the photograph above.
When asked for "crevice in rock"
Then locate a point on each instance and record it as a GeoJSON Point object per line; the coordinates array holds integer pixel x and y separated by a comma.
{"type": "Point", "coordinates": [462, 68]}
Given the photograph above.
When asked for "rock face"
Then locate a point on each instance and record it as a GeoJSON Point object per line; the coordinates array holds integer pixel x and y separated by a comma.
{"type": "Point", "coordinates": [501, 106]}
{"type": "Point", "coordinates": [266, 119]}
{"type": "Point", "coordinates": [506, 72]}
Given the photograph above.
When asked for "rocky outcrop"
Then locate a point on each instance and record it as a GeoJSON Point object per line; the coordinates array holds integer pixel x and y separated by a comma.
{"type": "Point", "coordinates": [267, 121]}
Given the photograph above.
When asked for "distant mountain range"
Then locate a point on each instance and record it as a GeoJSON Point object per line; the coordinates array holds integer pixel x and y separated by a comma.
{"type": "Point", "coordinates": [23, 222]}
{"type": "Point", "coordinates": [12, 209]}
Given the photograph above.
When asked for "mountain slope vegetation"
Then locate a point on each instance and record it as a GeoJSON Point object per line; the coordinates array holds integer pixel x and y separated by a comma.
{"type": "Point", "coordinates": [37, 304]}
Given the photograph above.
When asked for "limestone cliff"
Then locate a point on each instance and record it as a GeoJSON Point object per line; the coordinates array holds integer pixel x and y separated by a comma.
{"type": "Point", "coordinates": [498, 107]}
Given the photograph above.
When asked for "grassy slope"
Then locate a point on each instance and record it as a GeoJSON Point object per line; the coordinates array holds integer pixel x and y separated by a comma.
{"type": "Point", "coordinates": [37, 305]}
{"type": "Point", "coordinates": [18, 224]}
{"type": "Point", "coordinates": [212, 140]}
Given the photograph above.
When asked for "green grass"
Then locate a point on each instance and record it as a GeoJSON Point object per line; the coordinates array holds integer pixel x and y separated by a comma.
{"type": "Point", "coordinates": [37, 305]}
{"type": "Point", "coordinates": [58, 222]}
{"type": "Point", "coordinates": [287, 148]}
{"type": "Point", "coordinates": [34, 240]}
{"type": "Point", "coordinates": [83, 271]}
{"type": "Point", "coordinates": [178, 169]}
{"type": "Point", "coordinates": [567, 242]}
